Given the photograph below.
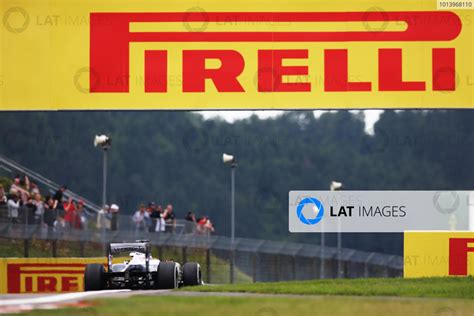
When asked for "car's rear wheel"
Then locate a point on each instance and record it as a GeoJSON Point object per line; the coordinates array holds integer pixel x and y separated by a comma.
{"type": "Point", "coordinates": [167, 275]}
{"type": "Point", "coordinates": [192, 274]}
{"type": "Point", "coordinates": [94, 277]}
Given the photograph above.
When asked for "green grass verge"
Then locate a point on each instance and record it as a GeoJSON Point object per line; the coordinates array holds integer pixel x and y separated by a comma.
{"type": "Point", "coordinates": [462, 287]}
{"type": "Point", "coordinates": [14, 248]}
{"type": "Point", "coordinates": [281, 306]}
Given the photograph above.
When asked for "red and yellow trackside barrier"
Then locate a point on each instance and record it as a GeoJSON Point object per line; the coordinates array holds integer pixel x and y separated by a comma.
{"type": "Point", "coordinates": [436, 254]}
{"type": "Point", "coordinates": [40, 275]}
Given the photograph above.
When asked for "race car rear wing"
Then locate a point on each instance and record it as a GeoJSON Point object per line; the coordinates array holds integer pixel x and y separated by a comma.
{"type": "Point", "coordinates": [117, 248]}
{"type": "Point", "coordinates": [139, 246]}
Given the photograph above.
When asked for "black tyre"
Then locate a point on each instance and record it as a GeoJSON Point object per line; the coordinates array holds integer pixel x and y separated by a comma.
{"type": "Point", "coordinates": [167, 275]}
{"type": "Point", "coordinates": [94, 277]}
{"type": "Point", "coordinates": [192, 274]}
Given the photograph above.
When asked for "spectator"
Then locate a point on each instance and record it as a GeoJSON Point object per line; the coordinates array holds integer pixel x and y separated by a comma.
{"type": "Point", "coordinates": [17, 187]}
{"type": "Point", "coordinates": [170, 219]}
{"type": "Point", "coordinates": [58, 199]}
{"type": "Point", "coordinates": [3, 196]}
{"type": "Point", "coordinates": [141, 218]}
{"type": "Point", "coordinates": [34, 189]}
{"type": "Point", "coordinates": [103, 218]}
{"type": "Point", "coordinates": [191, 217]}
{"type": "Point", "coordinates": [70, 213]}
{"type": "Point", "coordinates": [151, 221]}
{"type": "Point", "coordinates": [59, 225]}
{"type": "Point", "coordinates": [205, 226]}
{"type": "Point", "coordinates": [154, 217]}
{"type": "Point", "coordinates": [80, 216]}
{"type": "Point", "coordinates": [13, 206]}
{"type": "Point", "coordinates": [39, 212]}
{"type": "Point", "coordinates": [26, 183]}
{"type": "Point", "coordinates": [30, 210]}
{"type": "Point", "coordinates": [160, 223]}
{"type": "Point", "coordinates": [190, 224]}
{"type": "Point", "coordinates": [49, 216]}
{"type": "Point", "coordinates": [114, 210]}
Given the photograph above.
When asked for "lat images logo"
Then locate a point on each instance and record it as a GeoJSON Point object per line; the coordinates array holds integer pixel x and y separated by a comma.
{"type": "Point", "coordinates": [317, 209]}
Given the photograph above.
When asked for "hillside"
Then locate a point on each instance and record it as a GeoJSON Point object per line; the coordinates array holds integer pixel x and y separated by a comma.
{"type": "Point", "coordinates": [175, 157]}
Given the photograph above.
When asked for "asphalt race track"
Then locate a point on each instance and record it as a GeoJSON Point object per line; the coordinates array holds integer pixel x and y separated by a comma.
{"type": "Point", "coordinates": [23, 302]}
{"type": "Point", "coordinates": [15, 303]}
{"type": "Point", "coordinates": [12, 303]}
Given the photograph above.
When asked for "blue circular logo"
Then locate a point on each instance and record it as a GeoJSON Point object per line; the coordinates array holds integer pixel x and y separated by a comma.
{"type": "Point", "coordinates": [319, 208]}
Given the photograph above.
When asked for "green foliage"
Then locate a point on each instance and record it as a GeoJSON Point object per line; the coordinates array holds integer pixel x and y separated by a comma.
{"type": "Point", "coordinates": [175, 157]}
{"type": "Point", "coordinates": [5, 182]}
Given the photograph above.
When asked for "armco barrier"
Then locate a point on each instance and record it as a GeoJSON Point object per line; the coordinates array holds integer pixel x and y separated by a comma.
{"type": "Point", "coordinates": [436, 254]}
{"type": "Point", "coordinates": [42, 275]}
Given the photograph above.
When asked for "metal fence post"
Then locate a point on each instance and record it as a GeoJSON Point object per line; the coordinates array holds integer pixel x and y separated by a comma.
{"type": "Point", "coordinates": [81, 248]}
{"type": "Point", "coordinates": [231, 265]}
{"type": "Point", "coordinates": [339, 250]}
{"type": "Point", "coordinates": [254, 267]}
{"type": "Point", "coordinates": [313, 268]}
{"type": "Point", "coordinates": [366, 265]}
{"type": "Point", "coordinates": [160, 252]}
{"type": "Point", "coordinates": [54, 247]}
{"type": "Point", "coordinates": [278, 267]}
{"type": "Point", "coordinates": [208, 265]}
{"type": "Point", "coordinates": [321, 265]}
{"type": "Point", "coordinates": [103, 238]}
{"type": "Point", "coordinates": [184, 253]}
{"type": "Point", "coordinates": [26, 248]}
{"type": "Point", "coordinates": [293, 267]}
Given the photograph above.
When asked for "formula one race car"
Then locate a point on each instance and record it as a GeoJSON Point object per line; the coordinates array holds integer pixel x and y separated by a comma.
{"type": "Point", "coordinates": [140, 272]}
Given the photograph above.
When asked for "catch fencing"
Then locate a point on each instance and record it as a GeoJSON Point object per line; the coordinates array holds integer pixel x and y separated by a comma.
{"type": "Point", "coordinates": [244, 260]}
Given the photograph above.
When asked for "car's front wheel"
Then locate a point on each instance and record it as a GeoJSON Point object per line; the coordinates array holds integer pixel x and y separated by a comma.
{"type": "Point", "coordinates": [167, 275]}
{"type": "Point", "coordinates": [94, 277]}
{"type": "Point", "coordinates": [192, 274]}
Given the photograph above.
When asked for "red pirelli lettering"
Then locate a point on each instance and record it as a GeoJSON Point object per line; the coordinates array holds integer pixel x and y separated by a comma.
{"type": "Point", "coordinates": [45, 278]}
{"type": "Point", "coordinates": [110, 39]}
{"type": "Point", "coordinates": [458, 255]}
{"type": "Point", "coordinates": [224, 78]}
{"type": "Point", "coordinates": [270, 79]}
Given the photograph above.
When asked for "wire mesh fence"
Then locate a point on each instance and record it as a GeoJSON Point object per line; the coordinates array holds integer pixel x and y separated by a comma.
{"type": "Point", "coordinates": [244, 260]}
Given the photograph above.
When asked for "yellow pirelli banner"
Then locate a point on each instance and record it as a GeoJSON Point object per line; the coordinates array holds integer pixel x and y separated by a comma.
{"type": "Point", "coordinates": [40, 275]}
{"type": "Point", "coordinates": [236, 54]}
{"type": "Point", "coordinates": [436, 254]}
